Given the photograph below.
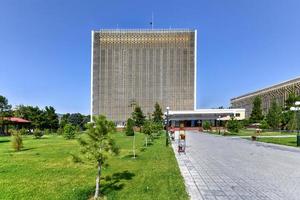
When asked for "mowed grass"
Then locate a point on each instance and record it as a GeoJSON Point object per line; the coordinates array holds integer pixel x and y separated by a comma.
{"type": "Point", "coordinates": [44, 170]}
{"type": "Point", "coordinates": [290, 141]}
{"type": "Point", "coordinates": [245, 132]}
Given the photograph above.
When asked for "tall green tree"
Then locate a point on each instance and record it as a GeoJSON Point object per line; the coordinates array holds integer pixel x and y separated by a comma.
{"type": "Point", "coordinates": [98, 145]}
{"type": "Point", "coordinates": [5, 111]}
{"type": "Point", "coordinates": [256, 114]}
{"type": "Point", "coordinates": [157, 114]}
{"type": "Point", "coordinates": [33, 114]}
{"type": "Point", "coordinates": [76, 119]}
{"type": "Point", "coordinates": [290, 101]}
{"type": "Point", "coordinates": [40, 118]}
{"type": "Point", "coordinates": [51, 117]}
{"type": "Point", "coordinates": [130, 132]}
{"type": "Point", "coordinates": [288, 120]}
{"type": "Point", "coordinates": [274, 115]}
{"type": "Point", "coordinates": [138, 116]}
{"type": "Point", "coordinates": [129, 127]}
{"type": "Point", "coordinates": [64, 120]}
{"type": "Point", "coordinates": [148, 130]}
{"type": "Point", "coordinates": [292, 121]}
{"type": "Point", "coordinates": [5, 108]}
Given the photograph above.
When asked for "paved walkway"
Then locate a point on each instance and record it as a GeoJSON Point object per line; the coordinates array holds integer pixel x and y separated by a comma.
{"type": "Point", "coordinates": [216, 167]}
{"type": "Point", "coordinates": [265, 136]}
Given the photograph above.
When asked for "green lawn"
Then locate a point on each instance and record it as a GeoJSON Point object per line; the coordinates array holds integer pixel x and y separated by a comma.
{"type": "Point", "coordinates": [245, 132]}
{"type": "Point", "coordinates": [44, 170]}
{"type": "Point", "coordinates": [283, 141]}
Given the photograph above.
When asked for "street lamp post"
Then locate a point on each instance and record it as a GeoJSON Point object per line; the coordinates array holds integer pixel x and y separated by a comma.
{"type": "Point", "coordinates": [297, 109]}
{"type": "Point", "coordinates": [167, 126]}
{"type": "Point", "coordinates": [219, 119]}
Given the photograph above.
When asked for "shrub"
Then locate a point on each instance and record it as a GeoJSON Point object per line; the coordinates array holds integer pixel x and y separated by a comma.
{"type": "Point", "coordinates": [233, 125]}
{"type": "Point", "coordinates": [17, 141]}
{"type": "Point", "coordinates": [23, 131]}
{"type": "Point", "coordinates": [47, 132]}
{"type": "Point", "coordinates": [69, 131]}
{"type": "Point", "coordinates": [157, 127]}
{"type": "Point", "coordinates": [37, 133]}
{"type": "Point", "coordinates": [148, 130]}
{"type": "Point", "coordinates": [60, 131]}
{"type": "Point", "coordinates": [245, 122]}
{"type": "Point", "coordinates": [129, 127]}
{"type": "Point", "coordinates": [77, 129]}
{"type": "Point", "coordinates": [264, 124]}
{"type": "Point", "coordinates": [206, 125]}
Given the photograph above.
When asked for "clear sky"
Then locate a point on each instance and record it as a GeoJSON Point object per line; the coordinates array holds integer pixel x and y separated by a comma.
{"type": "Point", "coordinates": [243, 45]}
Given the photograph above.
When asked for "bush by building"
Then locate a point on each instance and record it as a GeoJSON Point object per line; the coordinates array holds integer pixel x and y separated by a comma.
{"type": "Point", "coordinates": [206, 125]}
{"type": "Point", "coordinates": [233, 125]}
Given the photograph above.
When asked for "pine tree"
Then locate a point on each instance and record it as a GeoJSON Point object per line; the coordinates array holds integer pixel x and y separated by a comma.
{"type": "Point", "coordinates": [292, 122]}
{"type": "Point", "coordinates": [138, 116]}
{"type": "Point", "coordinates": [274, 115]}
{"type": "Point", "coordinates": [129, 127]}
{"type": "Point", "coordinates": [290, 101]}
{"type": "Point", "coordinates": [99, 145]}
{"type": "Point", "coordinates": [256, 114]}
{"type": "Point", "coordinates": [157, 114]}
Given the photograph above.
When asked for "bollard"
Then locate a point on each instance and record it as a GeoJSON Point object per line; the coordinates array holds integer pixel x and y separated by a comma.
{"type": "Point", "coordinates": [298, 140]}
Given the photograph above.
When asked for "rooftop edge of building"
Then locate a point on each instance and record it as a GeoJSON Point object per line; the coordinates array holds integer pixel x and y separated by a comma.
{"type": "Point", "coordinates": [272, 87]}
{"type": "Point", "coordinates": [184, 30]}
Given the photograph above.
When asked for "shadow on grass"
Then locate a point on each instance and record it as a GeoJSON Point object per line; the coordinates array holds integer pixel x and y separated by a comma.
{"type": "Point", "coordinates": [41, 138]}
{"type": "Point", "coordinates": [113, 182]}
{"type": "Point", "coordinates": [27, 149]}
{"type": "Point", "coordinates": [129, 156]}
{"type": "Point", "coordinates": [84, 193]}
{"type": "Point", "coordinates": [108, 184]}
{"type": "Point", "coordinates": [4, 141]}
{"type": "Point", "coordinates": [149, 144]}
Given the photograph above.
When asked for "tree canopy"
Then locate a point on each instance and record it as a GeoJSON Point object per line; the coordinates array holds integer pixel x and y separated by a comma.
{"type": "Point", "coordinates": [274, 115]}
{"type": "Point", "coordinates": [138, 116]}
{"type": "Point", "coordinates": [40, 118]}
{"type": "Point", "coordinates": [5, 108]}
{"type": "Point", "coordinates": [129, 127]}
{"type": "Point", "coordinates": [290, 101]}
{"type": "Point", "coordinates": [256, 114]}
{"type": "Point", "coordinates": [157, 114]}
{"type": "Point", "coordinates": [76, 119]}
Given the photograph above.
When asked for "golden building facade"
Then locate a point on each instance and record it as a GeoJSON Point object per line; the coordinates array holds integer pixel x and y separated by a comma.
{"type": "Point", "coordinates": [142, 67]}
{"type": "Point", "coordinates": [278, 92]}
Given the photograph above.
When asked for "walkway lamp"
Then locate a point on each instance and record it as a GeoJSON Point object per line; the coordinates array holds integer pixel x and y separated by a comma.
{"type": "Point", "coordinates": [167, 126]}
{"type": "Point", "coordinates": [219, 119]}
{"type": "Point", "coordinates": [297, 109]}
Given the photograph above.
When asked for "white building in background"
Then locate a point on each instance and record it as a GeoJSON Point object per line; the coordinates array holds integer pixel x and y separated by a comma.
{"type": "Point", "coordinates": [194, 118]}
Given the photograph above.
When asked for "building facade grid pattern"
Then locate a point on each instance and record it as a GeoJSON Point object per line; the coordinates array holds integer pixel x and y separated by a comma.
{"type": "Point", "coordinates": [278, 92]}
{"type": "Point", "coordinates": [142, 66]}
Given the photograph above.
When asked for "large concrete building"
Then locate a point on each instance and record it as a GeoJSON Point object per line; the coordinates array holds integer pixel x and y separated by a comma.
{"type": "Point", "coordinates": [143, 67]}
{"type": "Point", "coordinates": [278, 92]}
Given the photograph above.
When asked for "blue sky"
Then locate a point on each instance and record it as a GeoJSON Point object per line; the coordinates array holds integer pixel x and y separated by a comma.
{"type": "Point", "coordinates": [243, 45]}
